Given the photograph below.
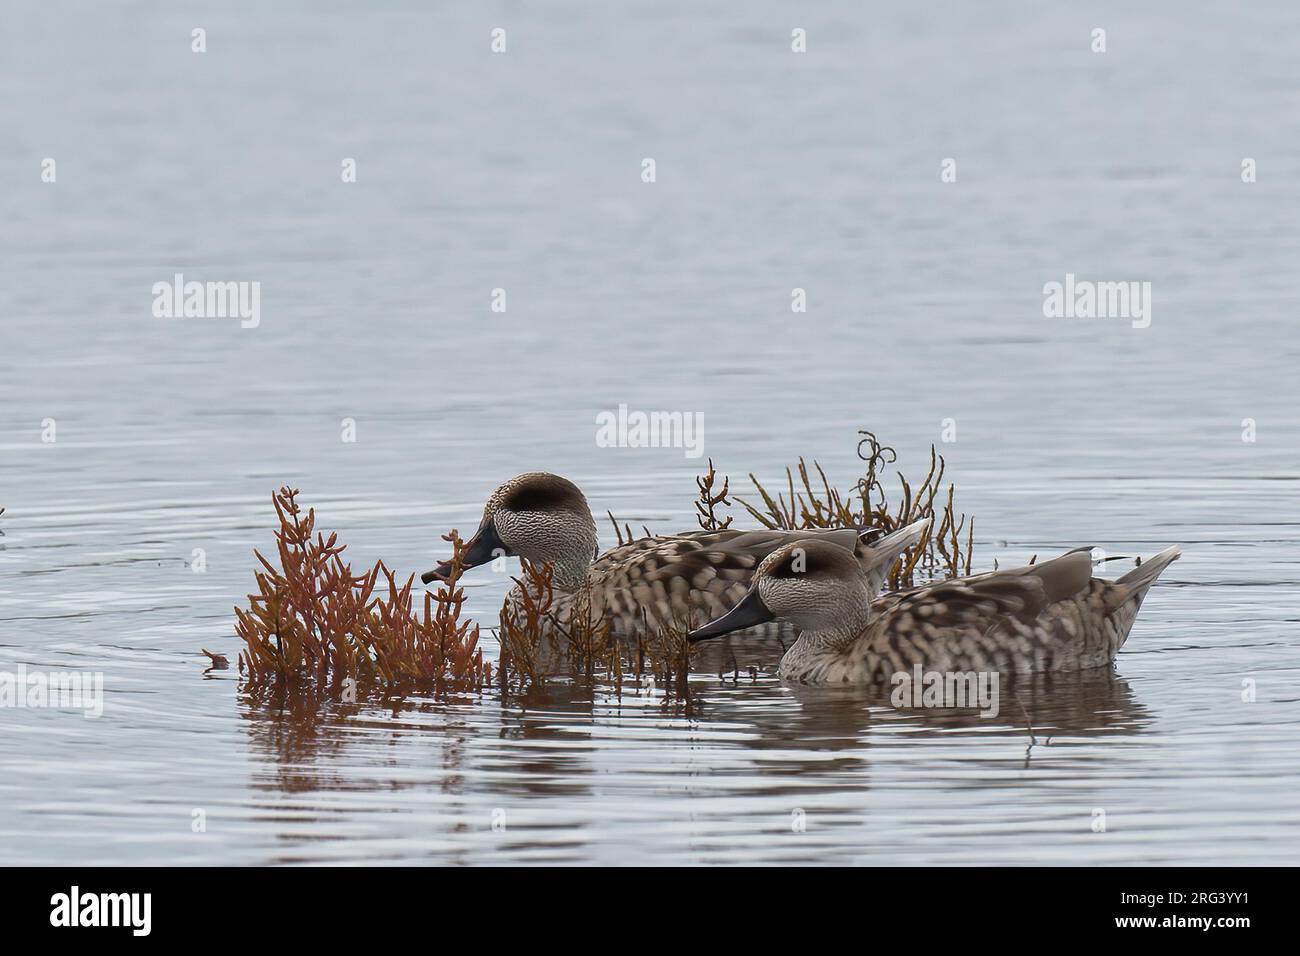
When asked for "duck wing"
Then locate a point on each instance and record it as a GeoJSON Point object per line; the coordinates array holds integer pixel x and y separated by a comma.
{"type": "Point", "coordinates": [759, 543]}
{"type": "Point", "coordinates": [689, 578]}
{"type": "Point", "coordinates": [1001, 619]}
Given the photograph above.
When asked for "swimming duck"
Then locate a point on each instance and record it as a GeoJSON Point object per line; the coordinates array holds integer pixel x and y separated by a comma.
{"type": "Point", "coordinates": [1053, 616]}
{"type": "Point", "coordinates": [689, 577]}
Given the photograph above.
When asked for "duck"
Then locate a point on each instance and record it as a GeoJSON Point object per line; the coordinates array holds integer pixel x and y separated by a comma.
{"type": "Point", "coordinates": [689, 577]}
{"type": "Point", "coordinates": [1045, 617]}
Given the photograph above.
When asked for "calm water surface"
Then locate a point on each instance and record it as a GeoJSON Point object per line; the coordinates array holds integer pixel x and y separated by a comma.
{"type": "Point", "coordinates": [522, 172]}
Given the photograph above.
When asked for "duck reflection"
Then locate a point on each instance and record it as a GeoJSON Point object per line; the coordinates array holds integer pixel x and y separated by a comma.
{"type": "Point", "coordinates": [550, 733]}
{"type": "Point", "coordinates": [832, 729]}
{"type": "Point", "coordinates": [542, 759]}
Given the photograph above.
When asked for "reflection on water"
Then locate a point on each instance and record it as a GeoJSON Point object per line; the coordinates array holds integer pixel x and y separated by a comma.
{"type": "Point", "coordinates": [535, 766]}
{"type": "Point", "coordinates": [521, 172]}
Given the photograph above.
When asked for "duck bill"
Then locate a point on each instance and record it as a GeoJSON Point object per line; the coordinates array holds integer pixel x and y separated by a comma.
{"type": "Point", "coordinates": [749, 612]}
{"type": "Point", "coordinates": [485, 546]}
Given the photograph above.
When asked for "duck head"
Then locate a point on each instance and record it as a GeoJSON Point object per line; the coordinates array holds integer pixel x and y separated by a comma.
{"type": "Point", "coordinates": [538, 516]}
{"type": "Point", "coordinates": [814, 585]}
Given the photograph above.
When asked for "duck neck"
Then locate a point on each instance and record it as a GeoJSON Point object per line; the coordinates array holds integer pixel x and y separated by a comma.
{"type": "Point", "coordinates": [573, 556]}
{"type": "Point", "coordinates": [839, 635]}
{"type": "Point", "coordinates": [571, 571]}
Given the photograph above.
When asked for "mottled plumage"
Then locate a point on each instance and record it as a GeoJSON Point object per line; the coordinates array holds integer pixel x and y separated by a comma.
{"type": "Point", "coordinates": [688, 578]}
{"type": "Point", "coordinates": [1048, 617]}
{"type": "Point", "coordinates": [682, 579]}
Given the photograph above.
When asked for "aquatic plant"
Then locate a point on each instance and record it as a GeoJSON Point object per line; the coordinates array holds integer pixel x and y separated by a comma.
{"type": "Point", "coordinates": [579, 644]}
{"type": "Point", "coordinates": [624, 534]}
{"type": "Point", "coordinates": [619, 531]}
{"type": "Point", "coordinates": [216, 662]}
{"type": "Point", "coordinates": [521, 633]}
{"type": "Point", "coordinates": [707, 501]}
{"type": "Point", "coordinates": [665, 654]}
{"type": "Point", "coordinates": [313, 620]}
{"type": "Point", "coordinates": [537, 643]}
{"type": "Point", "coordinates": [818, 504]}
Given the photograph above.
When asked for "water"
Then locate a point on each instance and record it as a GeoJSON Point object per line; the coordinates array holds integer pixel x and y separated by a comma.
{"type": "Point", "coordinates": [522, 172]}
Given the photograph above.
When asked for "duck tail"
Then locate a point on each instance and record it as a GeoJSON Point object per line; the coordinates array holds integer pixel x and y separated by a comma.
{"type": "Point", "coordinates": [1124, 597]}
{"type": "Point", "coordinates": [1140, 579]}
{"type": "Point", "coordinates": [878, 557]}
{"type": "Point", "coordinates": [896, 542]}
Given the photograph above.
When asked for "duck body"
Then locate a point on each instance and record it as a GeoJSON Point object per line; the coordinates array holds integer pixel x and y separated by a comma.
{"type": "Point", "coordinates": [1054, 616]}
{"type": "Point", "coordinates": [683, 580]}
{"type": "Point", "coordinates": [679, 580]}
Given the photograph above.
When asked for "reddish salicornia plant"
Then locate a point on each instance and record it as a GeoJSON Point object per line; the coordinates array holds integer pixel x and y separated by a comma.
{"type": "Point", "coordinates": [524, 616]}
{"type": "Point", "coordinates": [313, 620]}
{"type": "Point", "coordinates": [540, 640]}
